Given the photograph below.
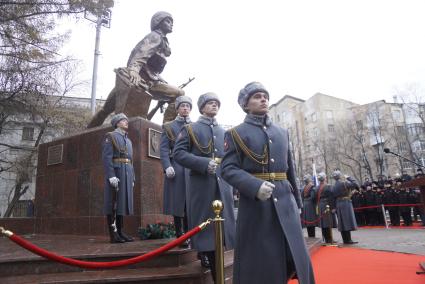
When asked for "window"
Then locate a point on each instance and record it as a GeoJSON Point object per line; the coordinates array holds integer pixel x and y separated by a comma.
{"type": "Point", "coordinates": [403, 146]}
{"type": "Point", "coordinates": [418, 146]}
{"type": "Point", "coordinates": [28, 133]}
{"type": "Point", "coordinates": [331, 128]}
{"type": "Point", "coordinates": [396, 115]}
{"type": "Point", "coordinates": [313, 117]}
{"type": "Point", "coordinates": [415, 129]}
{"type": "Point", "coordinates": [359, 124]}
{"type": "Point", "coordinates": [400, 130]}
{"type": "Point", "coordinates": [406, 165]}
{"type": "Point", "coordinates": [278, 118]}
{"type": "Point", "coordinates": [315, 132]}
{"type": "Point", "coordinates": [329, 114]}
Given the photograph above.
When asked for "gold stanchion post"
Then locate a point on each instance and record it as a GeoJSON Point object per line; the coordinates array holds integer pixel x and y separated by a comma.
{"type": "Point", "coordinates": [217, 207]}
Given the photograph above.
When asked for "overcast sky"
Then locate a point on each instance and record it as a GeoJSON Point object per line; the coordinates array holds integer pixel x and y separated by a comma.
{"type": "Point", "coordinates": [356, 50]}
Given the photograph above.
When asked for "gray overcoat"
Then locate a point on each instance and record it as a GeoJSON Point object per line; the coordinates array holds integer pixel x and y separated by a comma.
{"type": "Point", "coordinates": [324, 196]}
{"type": "Point", "coordinates": [123, 171]}
{"type": "Point", "coordinates": [344, 206]}
{"type": "Point", "coordinates": [174, 188]}
{"type": "Point", "coordinates": [268, 232]}
{"type": "Point", "coordinates": [195, 146]}
{"type": "Point", "coordinates": [309, 216]}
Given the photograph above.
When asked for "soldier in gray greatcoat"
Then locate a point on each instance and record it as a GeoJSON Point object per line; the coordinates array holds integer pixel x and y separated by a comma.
{"type": "Point", "coordinates": [309, 215]}
{"type": "Point", "coordinates": [117, 155]}
{"type": "Point", "coordinates": [344, 207]}
{"type": "Point", "coordinates": [199, 147]}
{"type": "Point", "coordinates": [175, 175]}
{"type": "Point", "coordinates": [270, 245]}
{"type": "Point", "coordinates": [324, 198]}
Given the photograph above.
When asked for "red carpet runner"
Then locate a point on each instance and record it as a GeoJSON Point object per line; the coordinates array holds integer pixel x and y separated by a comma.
{"type": "Point", "coordinates": [333, 265]}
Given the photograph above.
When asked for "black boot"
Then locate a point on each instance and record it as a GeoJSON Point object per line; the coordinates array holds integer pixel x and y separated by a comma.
{"type": "Point", "coordinates": [346, 237]}
{"type": "Point", "coordinates": [179, 226]}
{"type": "Point", "coordinates": [203, 257]}
{"type": "Point", "coordinates": [120, 222]}
{"type": "Point", "coordinates": [113, 232]}
{"type": "Point", "coordinates": [311, 232]}
{"type": "Point", "coordinates": [326, 233]}
{"type": "Point", "coordinates": [211, 258]}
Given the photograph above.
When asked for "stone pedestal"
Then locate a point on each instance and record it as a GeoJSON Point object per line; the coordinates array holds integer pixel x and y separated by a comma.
{"type": "Point", "coordinates": [70, 182]}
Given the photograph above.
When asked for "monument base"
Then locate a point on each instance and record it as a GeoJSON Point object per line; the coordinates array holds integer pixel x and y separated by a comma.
{"type": "Point", "coordinates": [70, 182]}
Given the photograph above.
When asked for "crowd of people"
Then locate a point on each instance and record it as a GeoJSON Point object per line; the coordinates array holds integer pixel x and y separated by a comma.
{"type": "Point", "coordinates": [364, 204]}
{"type": "Point", "coordinates": [371, 195]}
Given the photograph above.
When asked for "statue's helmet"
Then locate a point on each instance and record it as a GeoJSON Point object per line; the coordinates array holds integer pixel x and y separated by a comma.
{"type": "Point", "coordinates": [248, 91]}
{"type": "Point", "coordinates": [117, 118]}
{"type": "Point", "coordinates": [183, 99]}
{"type": "Point", "coordinates": [158, 17]}
{"type": "Point", "coordinates": [203, 99]}
{"type": "Point", "coordinates": [321, 176]}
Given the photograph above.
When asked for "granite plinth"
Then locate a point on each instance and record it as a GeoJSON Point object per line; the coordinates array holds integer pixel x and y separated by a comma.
{"type": "Point", "coordinates": [69, 193]}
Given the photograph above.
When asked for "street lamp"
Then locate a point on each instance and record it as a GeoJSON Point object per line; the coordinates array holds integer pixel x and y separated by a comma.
{"type": "Point", "coordinates": [101, 19]}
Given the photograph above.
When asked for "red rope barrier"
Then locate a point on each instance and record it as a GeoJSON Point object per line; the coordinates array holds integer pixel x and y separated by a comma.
{"type": "Point", "coordinates": [388, 205]}
{"type": "Point", "coordinates": [89, 264]}
{"type": "Point", "coordinates": [315, 221]}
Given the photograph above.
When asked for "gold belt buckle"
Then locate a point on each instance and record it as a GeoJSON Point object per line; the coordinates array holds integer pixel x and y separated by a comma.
{"type": "Point", "coordinates": [272, 176]}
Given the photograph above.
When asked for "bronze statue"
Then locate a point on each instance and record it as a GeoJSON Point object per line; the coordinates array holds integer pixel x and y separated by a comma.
{"type": "Point", "coordinates": [140, 82]}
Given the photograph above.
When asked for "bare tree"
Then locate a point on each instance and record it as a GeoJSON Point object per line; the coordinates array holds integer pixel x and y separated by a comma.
{"type": "Point", "coordinates": [412, 96]}
{"type": "Point", "coordinates": [34, 77]}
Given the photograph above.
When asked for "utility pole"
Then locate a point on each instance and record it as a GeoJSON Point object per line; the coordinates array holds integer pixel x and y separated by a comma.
{"type": "Point", "coordinates": [102, 19]}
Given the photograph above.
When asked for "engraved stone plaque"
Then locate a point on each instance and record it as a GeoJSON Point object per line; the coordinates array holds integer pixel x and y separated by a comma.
{"type": "Point", "coordinates": [54, 154]}
{"type": "Point", "coordinates": [154, 143]}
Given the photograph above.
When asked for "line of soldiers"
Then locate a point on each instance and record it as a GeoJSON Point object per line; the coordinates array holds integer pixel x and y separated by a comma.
{"type": "Point", "coordinates": [328, 207]}
{"type": "Point", "coordinates": [203, 162]}
{"type": "Point", "coordinates": [388, 192]}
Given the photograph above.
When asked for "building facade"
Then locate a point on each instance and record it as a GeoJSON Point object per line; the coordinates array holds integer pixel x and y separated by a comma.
{"type": "Point", "coordinates": [332, 133]}
{"type": "Point", "coordinates": [20, 134]}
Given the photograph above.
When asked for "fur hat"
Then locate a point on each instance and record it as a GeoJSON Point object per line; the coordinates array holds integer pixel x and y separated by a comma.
{"type": "Point", "coordinates": [183, 99]}
{"type": "Point", "coordinates": [336, 174]}
{"type": "Point", "coordinates": [307, 178]}
{"type": "Point", "coordinates": [117, 118]}
{"type": "Point", "coordinates": [248, 91]}
{"type": "Point", "coordinates": [203, 99]}
{"type": "Point", "coordinates": [321, 176]}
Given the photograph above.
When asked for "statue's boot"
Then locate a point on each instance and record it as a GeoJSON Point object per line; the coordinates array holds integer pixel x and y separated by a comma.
{"type": "Point", "coordinates": [170, 112]}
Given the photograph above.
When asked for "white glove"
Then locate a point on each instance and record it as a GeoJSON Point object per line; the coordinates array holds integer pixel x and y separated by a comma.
{"type": "Point", "coordinates": [299, 211]}
{"type": "Point", "coordinates": [212, 167]}
{"type": "Point", "coordinates": [265, 191]}
{"type": "Point", "coordinates": [113, 181]}
{"type": "Point", "coordinates": [169, 172]}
